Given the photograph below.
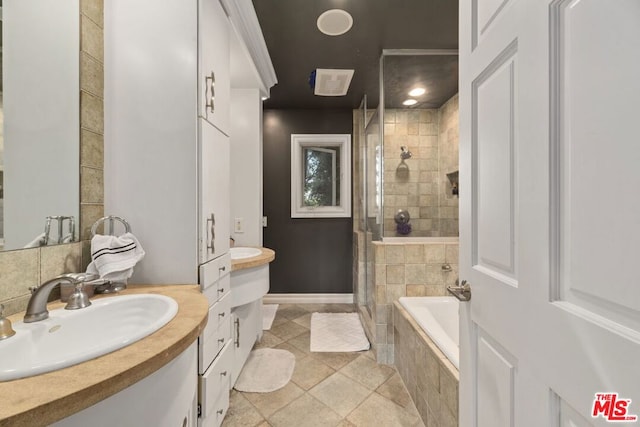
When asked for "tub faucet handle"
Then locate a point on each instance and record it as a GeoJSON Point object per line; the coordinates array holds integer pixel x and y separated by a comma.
{"type": "Point", "coordinates": [462, 291]}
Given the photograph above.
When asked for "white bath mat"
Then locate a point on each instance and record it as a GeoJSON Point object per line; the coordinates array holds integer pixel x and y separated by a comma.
{"type": "Point", "coordinates": [266, 370]}
{"type": "Point", "coordinates": [337, 332]}
{"type": "Point", "coordinates": [268, 314]}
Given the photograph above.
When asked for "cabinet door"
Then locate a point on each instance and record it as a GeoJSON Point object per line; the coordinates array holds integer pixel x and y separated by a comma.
{"type": "Point", "coordinates": [214, 195]}
{"type": "Point", "coordinates": [213, 56]}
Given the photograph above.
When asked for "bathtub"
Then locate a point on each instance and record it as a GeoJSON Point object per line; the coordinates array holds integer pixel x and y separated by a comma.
{"type": "Point", "coordinates": [438, 316]}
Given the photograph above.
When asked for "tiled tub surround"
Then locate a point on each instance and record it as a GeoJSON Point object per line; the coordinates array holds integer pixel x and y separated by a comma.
{"type": "Point", "coordinates": [430, 378]}
{"type": "Point", "coordinates": [406, 269]}
{"type": "Point", "coordinates": [21, 269]}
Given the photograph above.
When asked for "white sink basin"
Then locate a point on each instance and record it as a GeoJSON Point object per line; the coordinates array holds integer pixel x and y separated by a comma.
{"type": "Point", "coordinates": [69, 337]}
{"type": "Point", "coordinates": [242, 252]}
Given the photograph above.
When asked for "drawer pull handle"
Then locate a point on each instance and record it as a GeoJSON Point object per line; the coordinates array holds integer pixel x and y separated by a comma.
{"type": "Point", "coordinates": [220, 411]}
{"type": "Point", "coordinates": [223, 373]}
{"type": "Point", "coordinates": [221, 314]}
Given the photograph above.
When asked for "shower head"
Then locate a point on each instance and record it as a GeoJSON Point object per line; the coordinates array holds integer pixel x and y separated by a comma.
{"type": "Point", "coordinates": [405, 154]}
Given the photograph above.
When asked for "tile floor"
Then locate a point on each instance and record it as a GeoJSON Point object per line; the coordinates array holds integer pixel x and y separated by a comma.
{"type": "Point", "coordinates": [326, 389]}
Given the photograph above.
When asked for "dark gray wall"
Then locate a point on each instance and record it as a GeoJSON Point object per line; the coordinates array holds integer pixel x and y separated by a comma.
{"type": "Point", "coordinates": [313, 255]}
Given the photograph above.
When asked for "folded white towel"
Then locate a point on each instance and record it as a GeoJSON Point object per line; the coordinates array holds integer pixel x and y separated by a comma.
{"type": "Point", "coordinates": [37, 242]}
{"type": "Point", "coordinates": [113, 257]}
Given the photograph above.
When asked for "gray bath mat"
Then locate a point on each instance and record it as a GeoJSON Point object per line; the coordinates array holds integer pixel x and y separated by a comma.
{"type": "Point", "coordinates": [266, 370]}
{"type": "Point", "coordinates": [337, 332]}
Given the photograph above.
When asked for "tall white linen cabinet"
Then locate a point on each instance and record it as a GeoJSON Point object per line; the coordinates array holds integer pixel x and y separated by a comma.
{"type": "Point", "coordinates": [169, 71]}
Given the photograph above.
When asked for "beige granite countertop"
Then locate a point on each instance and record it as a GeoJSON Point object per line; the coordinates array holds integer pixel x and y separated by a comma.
{"type": "Point", "coordinates": [265, 257]}
{"type": "Point", "coordinates": [43, 399]}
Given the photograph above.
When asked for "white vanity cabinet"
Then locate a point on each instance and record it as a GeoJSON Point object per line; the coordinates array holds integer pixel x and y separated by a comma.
{"type": "Point", "coordinates": [165, 398]}
{"type": "Point", "coordinates": [215, 344]}
{"type": "Point", "coordinates": [166, 152]}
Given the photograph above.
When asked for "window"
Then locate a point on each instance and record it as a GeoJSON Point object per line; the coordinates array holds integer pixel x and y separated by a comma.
{"type": "Point", "coordinates": [320, 175]}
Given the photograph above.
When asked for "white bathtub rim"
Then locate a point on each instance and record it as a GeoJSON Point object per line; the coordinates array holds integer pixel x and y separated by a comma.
{"type": "Point", "coordinates": [433, 330]}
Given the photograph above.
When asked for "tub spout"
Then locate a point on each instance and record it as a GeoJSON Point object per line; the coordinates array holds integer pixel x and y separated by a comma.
{"type": "Point", "coordinates": [461, 291]}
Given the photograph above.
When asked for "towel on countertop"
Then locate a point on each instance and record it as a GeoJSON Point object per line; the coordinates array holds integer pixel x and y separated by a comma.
{"type": "Point", "coordinates": [113, 257]}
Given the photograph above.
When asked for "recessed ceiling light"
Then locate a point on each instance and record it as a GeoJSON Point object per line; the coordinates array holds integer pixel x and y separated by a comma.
{"type": "Point", "coordinates": [410, 102]}
{"type": "Point", "coordinates": [334, 22]}
{"type": "Point", "coordinates": [417, 91]}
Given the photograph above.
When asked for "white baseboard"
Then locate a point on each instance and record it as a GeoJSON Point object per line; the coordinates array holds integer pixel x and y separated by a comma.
{"type": "Point", "coordinates": [308, 299]}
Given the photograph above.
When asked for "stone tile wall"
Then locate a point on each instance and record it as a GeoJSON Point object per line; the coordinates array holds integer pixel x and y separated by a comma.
{"type": "Point", "coordinates": [419, 184]}
{"type": "Point", "coordinates": [22, 269]}
{"type": "Point", "coordinates": [430, 378]}
{"type": "Point", "coordinates": [407, 269]}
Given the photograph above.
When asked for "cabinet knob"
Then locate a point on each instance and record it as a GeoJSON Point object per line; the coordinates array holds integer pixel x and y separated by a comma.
{"type": "Point", "coordinates": [221, 290]}
{"type": "Point", "coordinates": [223, 268]}
{"type": "Point", "coordinates": [221, 314]}
{"type": "Point", "coordinates": [223, 373]}
{"type": "Point", "coordinates": [221, 340]}
{"type": "Point", "coordinates": [220, 411]}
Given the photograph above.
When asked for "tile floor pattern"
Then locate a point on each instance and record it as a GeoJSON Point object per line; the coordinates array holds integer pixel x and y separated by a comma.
{"type": "Point", "coordinates": [326, 389]}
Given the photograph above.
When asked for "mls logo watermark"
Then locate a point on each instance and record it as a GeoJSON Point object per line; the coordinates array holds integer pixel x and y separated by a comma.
{"type": "Point", "coordinates": [612, 409]}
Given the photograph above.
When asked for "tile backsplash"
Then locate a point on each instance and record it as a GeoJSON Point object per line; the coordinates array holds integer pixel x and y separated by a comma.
{"type": "Point", "coordinates": [21, 269]}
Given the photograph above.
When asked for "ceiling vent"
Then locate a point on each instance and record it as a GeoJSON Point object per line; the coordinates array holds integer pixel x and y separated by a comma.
{"type": "Point", "coordinates": [332, 82]}
{"type": "Point", "coordinates": [334, 22]}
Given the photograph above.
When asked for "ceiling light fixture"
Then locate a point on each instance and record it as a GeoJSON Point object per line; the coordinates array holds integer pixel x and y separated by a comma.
{"type": "Point", "coordinates": [417, 91]}
{"type": "Point", "coordinates": [334, 22]}
{"type": "Point", "coordinates": [410, 102]}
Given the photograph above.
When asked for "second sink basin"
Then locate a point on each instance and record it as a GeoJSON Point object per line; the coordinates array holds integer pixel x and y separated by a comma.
{"type": "Point", "coordinates": [244, 252]}
{"type": "Point", "coordinates": [69, 337]}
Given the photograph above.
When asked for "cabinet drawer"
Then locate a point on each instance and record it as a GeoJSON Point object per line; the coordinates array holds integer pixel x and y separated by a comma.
{"type": "Point", "coordinates": [212, 271]}
{"type": "Point", "coordinates": [223, 286]}
{"type": "Point", "coordinates": [216, 334]}
{"type": "Point", "coordinates": [214, 387]}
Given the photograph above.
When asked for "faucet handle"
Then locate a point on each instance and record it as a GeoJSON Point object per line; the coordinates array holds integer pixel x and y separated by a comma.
{"type": "Point", "coordinates": [6, 330]}
{"type": "Point", "coordinates": [78, 299]}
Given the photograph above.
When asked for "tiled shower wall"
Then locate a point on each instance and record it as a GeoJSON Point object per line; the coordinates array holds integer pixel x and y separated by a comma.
{"type": "Point", "coordinates": [21, 269]}
{"type": "Point", "coordinates": [419, 184]}
{"type": "Point", "coordinates": [406, 269]}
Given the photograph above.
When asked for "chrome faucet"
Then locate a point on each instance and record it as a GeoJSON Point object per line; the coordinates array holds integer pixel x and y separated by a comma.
{"type": "Point", "coordinates": [37, 306]}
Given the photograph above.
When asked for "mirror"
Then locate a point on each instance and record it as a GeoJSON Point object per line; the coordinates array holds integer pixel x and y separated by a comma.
{"type": "Point", "coordinates": [40, 115]}
{"type": "Point", "coordinates": [320, 175]}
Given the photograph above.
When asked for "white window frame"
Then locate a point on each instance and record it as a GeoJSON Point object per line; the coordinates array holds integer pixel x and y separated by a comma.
{"type": "Point", "coordinates": [298, 143]}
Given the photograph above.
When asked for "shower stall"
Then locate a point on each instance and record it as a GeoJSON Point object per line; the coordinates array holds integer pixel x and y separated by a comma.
{"type": "Point", "coordinates": [405, 188]}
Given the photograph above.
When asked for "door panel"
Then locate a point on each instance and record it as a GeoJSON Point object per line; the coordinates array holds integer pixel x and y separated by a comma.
{"type": "Point", "coordinates": [496, 388]}
{"type": "Point", "coordinates": [494, 171]}
{"type": "Point", "coordinates": [596, 226]}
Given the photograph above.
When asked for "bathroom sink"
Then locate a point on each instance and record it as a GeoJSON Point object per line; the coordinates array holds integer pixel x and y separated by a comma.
{"type": "Point", "coordinates": [243, 252]}
{"type": "Point", "coordinates": [69, 337]}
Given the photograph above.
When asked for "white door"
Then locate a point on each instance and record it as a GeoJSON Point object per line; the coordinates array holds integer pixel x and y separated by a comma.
{"type": "Point", "coordinates": [550, 212]}
{"type": "Point", "coordinates": [214, 198]}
